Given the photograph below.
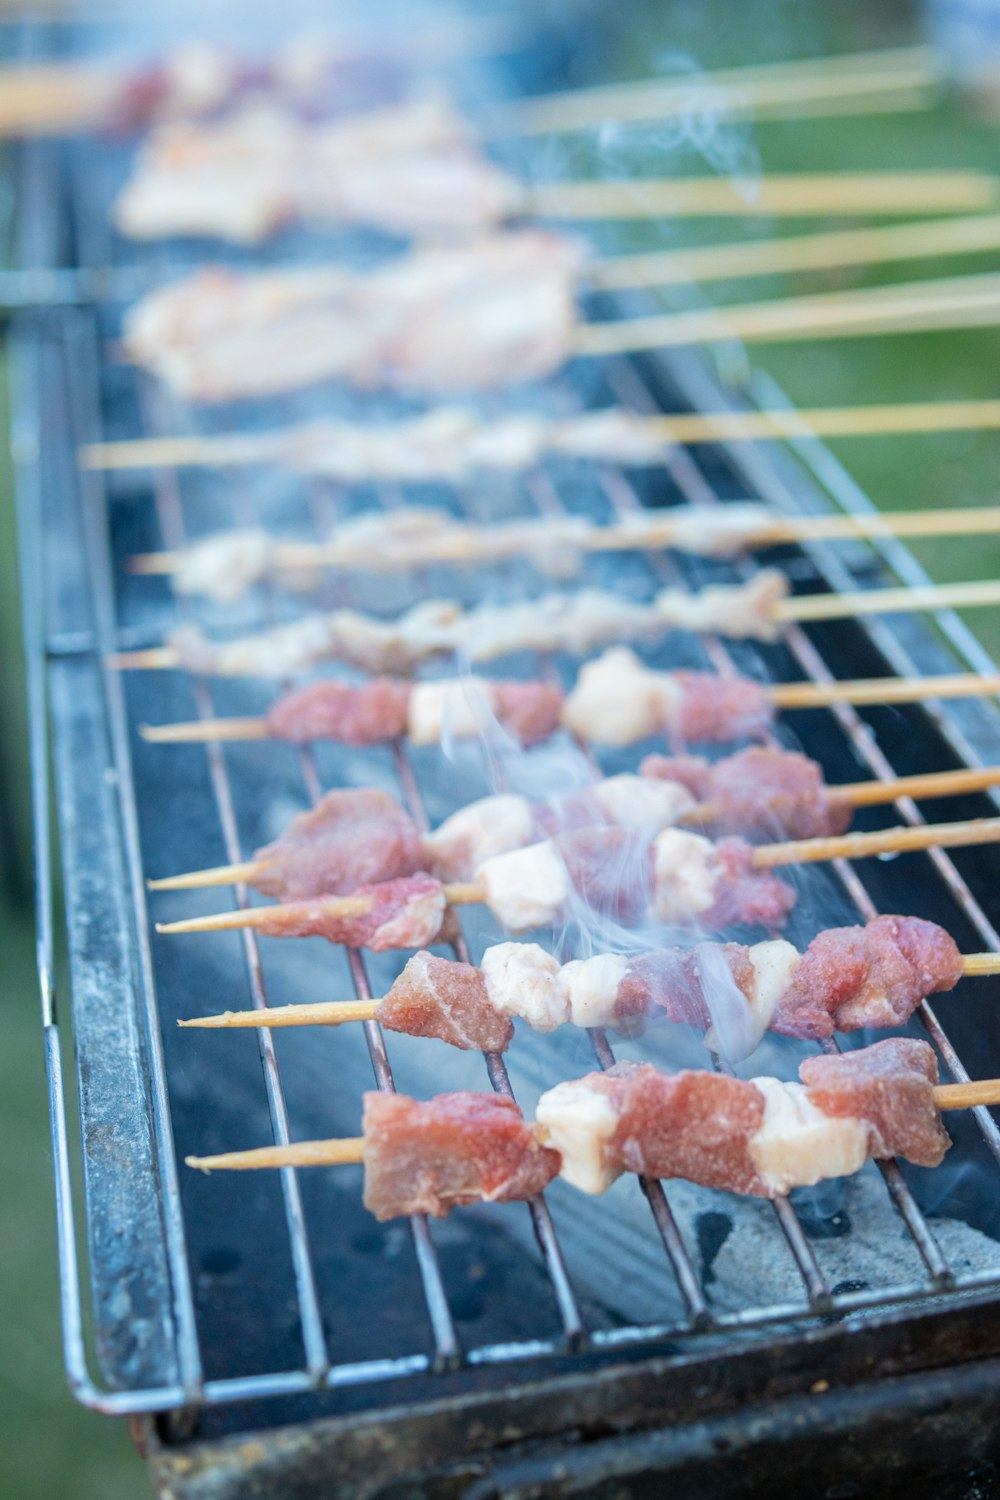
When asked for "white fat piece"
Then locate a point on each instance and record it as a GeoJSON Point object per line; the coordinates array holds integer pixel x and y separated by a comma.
{"type": "Point", "coordinates": [798, 1145]}
{"type": "Point", "coordinates": [478, 832]}
{"type": "Point", "coordinates": [740, 1020]}
{"type": "Point", "coordinates": [526, 887]}
{"type": "Point", "coordinates": [773, 963]}
{"type": "Point", "coordinates": [223, 567]}
{"type": "Point", "coordinates": [462, 709]}
{"type": "Point", "coordinates": [617, 700]}
{"type": "Point", "coordinates": [577, 1121]}
{"type": "Point", "coordinates": [717, 530]}
{"type": "Point", "coordinates": [523, 980]}
{"type": "Point", "coordinates": [591, 988]}
{"type": "Point", "coordinates": [686, 872]}
{"type": "Point", "coordinates": [642, 803]}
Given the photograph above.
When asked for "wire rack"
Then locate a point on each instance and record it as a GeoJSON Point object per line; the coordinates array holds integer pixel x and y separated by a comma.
{"type": "Point", "coordinates": [170, 1320]}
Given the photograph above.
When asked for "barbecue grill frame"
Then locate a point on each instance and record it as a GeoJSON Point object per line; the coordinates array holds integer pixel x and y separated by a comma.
{"type": "Point", "coordinates": [542, 1418]}
{"type": "Point", "coordinates": [50, 657]}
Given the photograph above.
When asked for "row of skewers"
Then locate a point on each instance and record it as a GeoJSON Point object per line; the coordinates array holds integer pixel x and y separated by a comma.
{"type": "Point", "coordinates": [356, 870]}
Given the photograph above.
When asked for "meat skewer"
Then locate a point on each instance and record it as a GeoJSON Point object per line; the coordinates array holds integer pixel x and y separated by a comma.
{"type": "Point", "coordinates": [503, 310]}
{"type": "Point", "coordinates": [224, 565]}
{"type": "Point", "coordinates": [617, 700]}
{"type": "Point", "coordinates": [355, 836]}
{"type": "Point", "coordinates": [413, 168]}
{"type": "Point", "coordinates": [452, 443]}
{"type": "Point", "coordinates": [849, 978]}
{"type": "Point", "coordinates": [760, 1137]}
{"type": "Point", "coordinates": [102, 92]}
{"type": "Point", "coordinates": [678, 879]}
{"type": "Point", "coordinates": [576, 623]}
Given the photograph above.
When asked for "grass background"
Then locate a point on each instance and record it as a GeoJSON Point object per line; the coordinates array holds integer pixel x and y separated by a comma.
{"type": "Point", "coordinates": [51, 1448]}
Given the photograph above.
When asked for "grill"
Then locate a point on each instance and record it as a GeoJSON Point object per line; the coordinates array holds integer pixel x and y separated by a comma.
{"type": "Point", "coordinates": [266, 1335]}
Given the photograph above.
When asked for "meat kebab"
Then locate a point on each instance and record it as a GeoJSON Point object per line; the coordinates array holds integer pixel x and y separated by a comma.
{"type": "Point", "coordinates": [760, 1137]}
{"type": "Point", "coordinates": [849, 978]}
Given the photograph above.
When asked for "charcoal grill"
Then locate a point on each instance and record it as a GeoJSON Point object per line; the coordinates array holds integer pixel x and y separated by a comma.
{"type": "Point", "coordinates": [263, 1334]}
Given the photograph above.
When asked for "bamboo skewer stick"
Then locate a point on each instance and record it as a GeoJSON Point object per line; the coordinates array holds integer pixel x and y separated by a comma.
{"type": "Point", "coordinates": [778, 195]}
{"type": "Point", "coordinates": [765, 87]}
{"type": "Point", "coordinates": [890, 601]}
{"type": "Point", "coordinates": [351, 1149]}
{"type": "Point", "coordinates": [859, 691]}
{"type": "Point", "coordinates": [468, 544]}
{"type": "Point", "coordinates": [43, 99]}
{"type": "Point", "coordinates": [911, 307]}
{"type": "Point", "coordinates": [856, 794]}
{"type": "Point", "coordinates": [896, 840]}
{"type": "Point", "coordinates": [688, 427]}
{"type": "Point", "coordinates": [340, 1012]}
{"type": "Point", "coordinates": [802, 608]}
{"type": "Point", "coordinates": [806, 252]}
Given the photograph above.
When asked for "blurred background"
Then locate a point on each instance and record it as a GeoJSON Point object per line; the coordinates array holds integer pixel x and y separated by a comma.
{"type": "Point", "coordinates": [48, 1446]}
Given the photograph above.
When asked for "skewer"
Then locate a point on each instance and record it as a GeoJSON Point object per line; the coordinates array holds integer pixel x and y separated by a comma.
{"type": "Point", "coordinates": [896, 840]}
{"type": "Point", "coordinates": [911, 307]}
{"type": "Point", "coordinates": [859, 691]}
{"type": "Point", "coordinates": [855, 794]}
{"type": "Point", "coordinates": [761, 86]}
{"type": "Point", "coordinates": [350, 1150]}
{"type": "Point", "coordinates": [694, 427]}
{"type": "Point", "coordinates": [802, 608]}
{"type": "Point", "coordinates": [806, 252]}
{"type": "Point", "coordinates": [339, 1012]}
{"type": "Point", "coordinates": [778, 195]}
{"type": "Point", "coordinates": [465, 543]}
{"type": "Point", "coordinates": [44, 99]}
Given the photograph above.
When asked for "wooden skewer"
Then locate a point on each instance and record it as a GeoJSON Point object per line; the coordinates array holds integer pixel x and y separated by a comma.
{"type": "Point", "coordinates": [911, 307]}
{"type": "Point", "coordinates": [832, 606]}
{"type": "Point", "coordinates": [765, 87]}
{"type": "Point", "coordinates": [339, 1012]}
{"type": "Point", "coordinates": [807, 252]}
{"type": "Point", "coordinates": [778, 195]}
{"type": "Point", "coordinates": [661, 530]}
{"type": "Point", "coordinates": [693, 427]}
{"type": "Point", "coordinates": [897, 840]}
{"type": "Point", "coordinates": [857, 794]}
{"type": "Point", "coordinates": [859, 691]}
{"type": "Point", "coordinates": [351, 1149]}
{"type": "Point", "coordinates": [890, 601]}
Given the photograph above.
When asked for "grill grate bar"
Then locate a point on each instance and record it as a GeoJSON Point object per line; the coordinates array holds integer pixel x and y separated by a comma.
{"type": "Point", "coordinates": [681, 1263]}
{"type": "Point", "coordinates": [541, 1219]}
{"type": "Point", "coordinates": [446, 1345]}
{"type": "Point", "coordinates": [695, 487]}
{"type": "Point", "coordinates": [624, 500]}
{"type": "Point", "coordinates": [166, 492]}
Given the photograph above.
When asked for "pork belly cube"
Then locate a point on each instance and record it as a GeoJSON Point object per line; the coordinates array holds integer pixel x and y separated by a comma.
{"type": "Point", "coordinates": [691, 771]}
{"type": "Point", "coordinates": [529, 711]}
{"type": "Point", "coordinates": [890, 1086]}
{"type": "Point", "coordinates": [403, 913]}
{"type": "Point", "coordinates": [618, 700]}
{"type": "Point", "coordinates": [774, 794]}
{"type": "Point", "coordinates": [437, 997]}
{"type": "Point", "coordinates": [694, 1125]}
{"type": "Point", "coordinates": [609, 869]}
{"type": "Point", "coordinates": [364, 714]}
{"type": "Point", "coordinates": [478, 832]}
{"type": "Point", "coordinates": [430, 1157]}
{"type": "Point", "coordinates": [711, 710]}
{"type": "Point", "coordinates": [867, 976]}
{"type": "Point", "coordinates": [351, 837]}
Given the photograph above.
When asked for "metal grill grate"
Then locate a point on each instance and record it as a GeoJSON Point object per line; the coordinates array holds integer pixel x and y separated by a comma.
{"type": "Point", "coordinates": [147, 789]}
{"type": "Point", "coordinates": [206, 1294]}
